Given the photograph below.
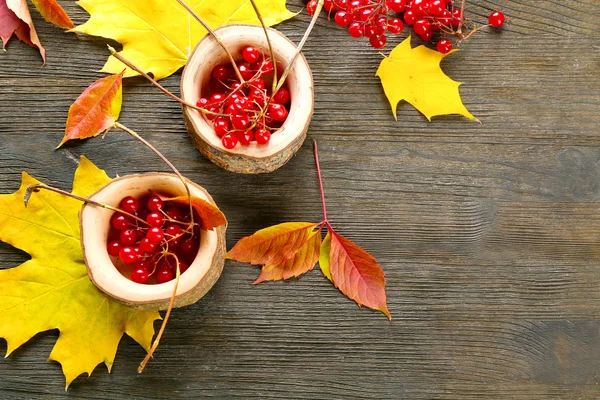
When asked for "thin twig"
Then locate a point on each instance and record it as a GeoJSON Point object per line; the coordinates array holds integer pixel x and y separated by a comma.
{"type": "Point", "coordinates": [291, 63]}
{"type": "Point", "coordinates": [286, 72]}
{"type": "Point", "coordinates": [164, 323]}
{"type": "Point", "coordinates": [36, 188]}
{"type": "Point", "coordinates": [158, 153]}
{"type": "Point", "coordinates": [131, 65]}
{"type": "Point", "coordinates": [262, 23]}
{"type": "Point", "coordinates": [214, 35]}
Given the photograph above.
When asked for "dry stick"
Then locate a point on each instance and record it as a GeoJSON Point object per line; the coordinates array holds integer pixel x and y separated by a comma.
{"type": "Point", "coordinates": [214, 35]}
{"type": "Point", "coordinates": [158, 153]}
{"type": "Point", "coordinates": [262, 23]}
{"type": "Point", "coordinates": [176, 285]}
{"type": "Point", "coordinates": [131, 65]}
{"type": "Point", "coordinates": [164, 323]}
{"type": "Point", "coordinates": [286, 72]}
{"type": "Point", "coordinates": [36, 188]}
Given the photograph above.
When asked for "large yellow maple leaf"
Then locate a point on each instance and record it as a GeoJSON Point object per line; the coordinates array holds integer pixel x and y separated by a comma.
{"type": "Point", "coordinates": [414, 75]}
{"type": "Point", "coordinates": [52, 290]}
{"type": "Point", "coordinates": [159, 35]}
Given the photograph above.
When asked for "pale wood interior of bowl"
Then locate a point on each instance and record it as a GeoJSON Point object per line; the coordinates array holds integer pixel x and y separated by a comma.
{"type": "Point", "coordinates": [209, 54]}
{"type": "Point", "coordinates": [95, 229]}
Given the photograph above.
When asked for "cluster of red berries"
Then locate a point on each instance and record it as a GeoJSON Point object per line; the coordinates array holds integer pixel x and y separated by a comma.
{"type": "Point", "coordinates": [363, 18]}
{"type": "Point", "coordinates": [370, 18]}
{"type": "Point", "coordinates": [244, 111]}
{"type": "Point", "coordinates": [150, 251]}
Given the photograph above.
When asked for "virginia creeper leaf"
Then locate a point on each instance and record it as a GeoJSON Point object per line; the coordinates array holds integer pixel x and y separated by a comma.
{"type": "Point", "coordinates": [96, 109]}
{"type": "Point", "coordinates": [15, 18]}
{"type": "Point", "coordinates": [52, 290]}
{"type": "Point", "coordinates": [9, 22]}
{"type": "Point", "coordinates": [210, 215]}
{"type": "Point", "coordinates": [303, 261]}
{"type": "Point", "coordinates": [356, 273]}
{"type": "Point", "coordinates": [158, 36]}
{"type": "Point", "coordinates": [324, 256]}
{"type": "Point", "coordinates": [272, 245]}
{"type": "Point", "coordinates": [414, 75]}
{"type": "Point", "coordinates": [53, 13]}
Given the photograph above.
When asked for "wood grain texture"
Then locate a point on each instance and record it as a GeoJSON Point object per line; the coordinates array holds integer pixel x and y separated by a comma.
{"type": "Point", "coordinates": [488, 234]}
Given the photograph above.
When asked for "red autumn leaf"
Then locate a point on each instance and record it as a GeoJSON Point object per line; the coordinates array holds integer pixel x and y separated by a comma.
{"type": "Point", "coordinates": [272, 245]}
{"type": "Point", "coordinates": [303, 261]}
{"type": "Point", "coordinates": [356, 273]}
{"type": "Point", "coordinates": [210, 216]}
{"type": "Point", "coordinates": [96, 109]}
{"type": "Point", "coordinates": [53, 13]}
{"type": "Point", "coordinates": [16, 19]}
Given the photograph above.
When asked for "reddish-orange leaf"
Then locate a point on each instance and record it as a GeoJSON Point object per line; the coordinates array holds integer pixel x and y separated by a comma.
{"type": "Point", "coordinates": [9, 22]}
{"type": "Point", "coordinates": [356, 273]}
{"type": "Point", "coordinates": [53, 13]}
{"type": "Point", "coordinates": [272, 245]}
{"type": "Point", "coordinates": [210, 215]}
{"type": "Point", "coordinates": [303, 261]}
{"type": "Point", "coordinates": [96, 110]}
{"type": "Point", "coordinates": [15, 18]}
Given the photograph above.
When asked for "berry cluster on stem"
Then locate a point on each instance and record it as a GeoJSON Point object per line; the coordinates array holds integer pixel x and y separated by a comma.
{"type": "Point", "coordinates": [160, 238]}
{"type": "Point", "coordinates": [437, 21]}
{"type": "Point", "coordinates": [246, 110]}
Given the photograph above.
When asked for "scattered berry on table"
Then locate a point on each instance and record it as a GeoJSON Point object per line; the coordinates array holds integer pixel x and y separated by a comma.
{"type": "Point", "coordinates": [496, 19]}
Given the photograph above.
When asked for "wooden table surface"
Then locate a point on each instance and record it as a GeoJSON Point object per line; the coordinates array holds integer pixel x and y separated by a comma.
{"type": "Point", "coordinates": [488, 234]}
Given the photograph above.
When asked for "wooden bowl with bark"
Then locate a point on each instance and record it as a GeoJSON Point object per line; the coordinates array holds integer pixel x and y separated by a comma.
{"type": "Point", "coordinates": [108, 276]}
{"type": "Point", "coordinates": [285, 142]}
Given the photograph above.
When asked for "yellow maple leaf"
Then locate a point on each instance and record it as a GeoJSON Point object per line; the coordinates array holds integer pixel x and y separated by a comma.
{"type": "Point", "coordinates": [158, 36]}
{"type": "Point", "coordinates": [52, 290]}
{"type": "Point", "coordinates": [414, 75]}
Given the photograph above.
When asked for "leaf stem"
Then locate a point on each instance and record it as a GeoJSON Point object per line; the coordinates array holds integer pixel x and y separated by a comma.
{"type": "Point", "coordinates": [164, 323]}
{"type": "Point", "coordinates": [131, 65]}
{"type": "Point", "coordinates": [158, 153]}
{"type": "Point", "coordinates": [316, 151]}
{"type": "Point", "coordinates": [36, 188]}
{"type": "Point", "coordinates": [214, 35]}
{"type": "Point", "coordinates": [262, 23]}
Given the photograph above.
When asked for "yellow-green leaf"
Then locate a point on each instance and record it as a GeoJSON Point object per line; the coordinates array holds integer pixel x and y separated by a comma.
{"type": "Point", "coordinates": [52, 290]}
{"type": "Point", "coordinates": [159, 35]}
{"type": "Point", "coordinates": [415, 75]}
{"type": "Point", "coordinates": [324, 256]}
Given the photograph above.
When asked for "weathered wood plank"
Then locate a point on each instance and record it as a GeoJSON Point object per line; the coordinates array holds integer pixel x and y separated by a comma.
{"type": "Point", "coordinates": [488, 233]}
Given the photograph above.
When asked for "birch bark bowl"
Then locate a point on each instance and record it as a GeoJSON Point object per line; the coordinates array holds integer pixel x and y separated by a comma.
{"type": "Point", "coordinates": [286, 141]}
{"type": "Point", "coordinates": [194, 283]}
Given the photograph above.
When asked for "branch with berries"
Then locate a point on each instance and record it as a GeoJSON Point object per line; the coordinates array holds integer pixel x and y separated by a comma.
{"type": "Point", "coordinates": [437, 21]}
